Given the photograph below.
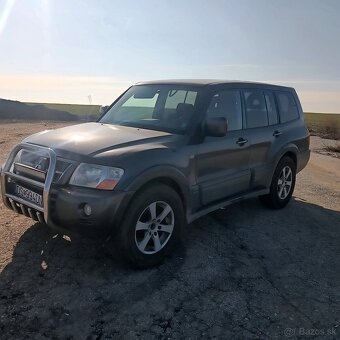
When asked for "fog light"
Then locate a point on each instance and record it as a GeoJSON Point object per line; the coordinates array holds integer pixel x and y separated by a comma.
{"type": "Point", "coordinates": [87, 209]}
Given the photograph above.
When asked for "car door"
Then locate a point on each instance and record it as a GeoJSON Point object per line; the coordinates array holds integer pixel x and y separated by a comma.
{"type": "Point", "coordinates": [222, 163]}
{"type": "Point", "coordinates": [262, 125]}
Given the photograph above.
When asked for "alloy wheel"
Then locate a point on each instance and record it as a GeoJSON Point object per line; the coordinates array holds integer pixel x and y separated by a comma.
{"type": "Point", "coordinates": [284, 184]}
{"type": "Point", "coordinates": [154, 227]}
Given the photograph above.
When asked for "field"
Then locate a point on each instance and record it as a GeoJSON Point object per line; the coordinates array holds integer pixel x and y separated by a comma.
{"type": "Point", "coordinates": [314, 119]}
{"type": "Point", "coordinates": [324, 124]}
{"type": "Point", "coordinates": [243, 272]}
{"type": "Point", "coordinates": [77, 109]}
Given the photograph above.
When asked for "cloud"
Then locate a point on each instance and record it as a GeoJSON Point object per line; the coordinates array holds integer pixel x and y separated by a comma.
{"type": "Point", "coordinates": [5, 14]}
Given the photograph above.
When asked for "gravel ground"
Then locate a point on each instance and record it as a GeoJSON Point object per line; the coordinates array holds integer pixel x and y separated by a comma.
{"type": "Point", "coordinates": [244, 272]}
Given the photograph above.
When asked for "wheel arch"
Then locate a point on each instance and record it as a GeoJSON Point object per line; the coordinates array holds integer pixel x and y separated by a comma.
{"type": "Point", "coordinates": [291, 155]}
{"type": "Point", "coordinates": [168, 181]}
{"type": "Point", "coordinates": [169, 176]}
{"type": "Point", "coordinates": [290, 151]}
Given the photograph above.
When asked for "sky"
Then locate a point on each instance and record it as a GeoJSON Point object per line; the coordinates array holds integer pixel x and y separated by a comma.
{"type": "Point", "coordinates": [64, 51]}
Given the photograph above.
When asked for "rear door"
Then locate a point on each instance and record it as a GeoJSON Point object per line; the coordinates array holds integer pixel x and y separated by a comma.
{"type": "Point", "coordinates": [222, 163]}
{"type": "Point", "coordinates": [262, 125]}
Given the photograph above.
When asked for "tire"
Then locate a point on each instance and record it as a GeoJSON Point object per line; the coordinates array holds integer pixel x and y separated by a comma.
{"type": "Point", "coordinates": [151, 226]}
{"type": "Point", "coordinates": [281, 190]}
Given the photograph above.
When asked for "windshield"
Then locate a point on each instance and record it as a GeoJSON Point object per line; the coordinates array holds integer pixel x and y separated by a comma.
{"type": "Point", "coordinates": [157, 107]}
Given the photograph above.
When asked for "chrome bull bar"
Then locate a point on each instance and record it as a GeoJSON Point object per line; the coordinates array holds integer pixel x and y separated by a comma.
{"type": "Point", "coordinates": [16, 203]}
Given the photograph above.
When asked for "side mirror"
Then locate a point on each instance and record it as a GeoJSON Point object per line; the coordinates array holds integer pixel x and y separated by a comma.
{"type": "Point", "coordinates": [103, 109]}
{"type": "Point", "coordinates": [216, 127]}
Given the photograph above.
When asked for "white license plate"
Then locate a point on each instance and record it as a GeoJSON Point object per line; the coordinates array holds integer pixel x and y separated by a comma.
{"type": "Point", "coordinates": [28, 195]}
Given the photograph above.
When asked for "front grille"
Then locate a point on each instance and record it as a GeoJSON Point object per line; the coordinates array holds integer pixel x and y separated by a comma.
{"type": "Point", "coordinates": [32, 164]}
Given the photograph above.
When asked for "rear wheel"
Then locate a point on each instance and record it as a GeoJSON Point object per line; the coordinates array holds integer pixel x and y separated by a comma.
{"type": "Point", "coordinates": [282, 185]}
{"type": "Point", "coordinates": [152, 226]}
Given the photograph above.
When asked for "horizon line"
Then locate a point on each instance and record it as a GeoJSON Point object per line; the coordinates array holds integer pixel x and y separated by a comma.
{"type": "Point", "coordinates": [312, 112]}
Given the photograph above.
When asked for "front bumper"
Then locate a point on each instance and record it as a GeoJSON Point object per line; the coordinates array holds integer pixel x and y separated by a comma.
{"type": "Point", "coordinates": [63, 205]}
{"type": "Point", "coordinates": [66, 209]}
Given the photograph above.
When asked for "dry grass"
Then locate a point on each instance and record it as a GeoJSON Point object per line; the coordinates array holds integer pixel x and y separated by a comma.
{"type": "Point", "coordinates": [328, 131]}
{"type": "Point", "coordinates": [323, 125]}
{"type": "Point", "coordinates": [333, 148]}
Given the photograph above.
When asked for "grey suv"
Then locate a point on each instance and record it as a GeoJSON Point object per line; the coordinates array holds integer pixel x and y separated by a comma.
{"type": "Point", "coordinates": [164, 153]}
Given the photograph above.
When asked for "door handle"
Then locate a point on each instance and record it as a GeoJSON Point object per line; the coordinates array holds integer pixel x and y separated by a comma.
{"type": "Point", "coordinates": [277, 133]}
{"type": "Point", "coordinates": [241, 141]}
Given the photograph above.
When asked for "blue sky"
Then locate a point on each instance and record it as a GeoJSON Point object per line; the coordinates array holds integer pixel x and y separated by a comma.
{"type": "Point", "coordinates": [63, 51]}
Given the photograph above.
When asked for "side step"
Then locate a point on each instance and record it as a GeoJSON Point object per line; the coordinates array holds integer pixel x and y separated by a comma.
{"type": "Point", "coordinates": [208, 209]}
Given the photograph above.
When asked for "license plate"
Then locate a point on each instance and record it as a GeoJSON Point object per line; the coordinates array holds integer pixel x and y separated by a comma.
{"type": "Point", "coordinates": [28, 195]}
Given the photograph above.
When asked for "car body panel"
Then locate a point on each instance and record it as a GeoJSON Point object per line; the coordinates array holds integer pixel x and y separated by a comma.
{"type": "Point", "coordinates": [222, 166]}
{"type": "Point", "coordinates": [90, 139]}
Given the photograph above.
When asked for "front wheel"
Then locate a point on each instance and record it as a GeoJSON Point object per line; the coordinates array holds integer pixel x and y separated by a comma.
{"type": "Point", "coordinates": [282, 185]}
{"type": "Point", "coordinates": [152, 226]}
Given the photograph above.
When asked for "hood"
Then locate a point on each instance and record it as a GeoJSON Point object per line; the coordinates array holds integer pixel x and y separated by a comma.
{"type": "Point", "coordinates": [90, 139]}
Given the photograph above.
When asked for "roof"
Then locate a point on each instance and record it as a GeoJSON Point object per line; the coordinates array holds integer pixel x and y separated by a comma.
{"type": "Point", "coordinates": [203, 82]}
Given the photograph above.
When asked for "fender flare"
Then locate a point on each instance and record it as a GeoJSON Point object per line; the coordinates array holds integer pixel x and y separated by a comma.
{"type": "Point", "coordinates": [287, 148]}
{"type": "Point", "coordinates": [161, 172]}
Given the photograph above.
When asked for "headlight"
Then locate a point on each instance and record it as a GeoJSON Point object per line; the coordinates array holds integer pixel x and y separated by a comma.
{"type": "Point", "coordinates": [96, 176]}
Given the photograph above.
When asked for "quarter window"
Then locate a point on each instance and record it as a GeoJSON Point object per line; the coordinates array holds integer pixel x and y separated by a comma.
{"type": "Point", "coordinates": [256, 110]}
{"type": "Point", "coordinates": [287, 107]}
{"type": "Point", "coordinates": [227, 104]}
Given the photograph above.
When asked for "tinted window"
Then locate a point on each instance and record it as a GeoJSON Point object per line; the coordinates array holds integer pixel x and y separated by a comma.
{"type": "Point", "coordinates": [175, 97]}
{"type": "Point", "coordinates": [287, 107]}
{"type": "Point", "coordinates": [256, 110]}
{"type": "Point", "coordinates": [144, 106]}
{"type": "Point", "coordinates": [271, 108]}
{"type": "Point", "coordinates": [227, 104]}
{"type": "Point", "coordinates": [137, 108]}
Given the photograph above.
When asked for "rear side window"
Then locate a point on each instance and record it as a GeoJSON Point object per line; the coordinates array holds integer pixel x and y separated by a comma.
{"type": "Point", "coordinates": [256, 109]}
{"type": "Point", "coordinates": [271, 108]}
{"type": "Point", "coordinates": [227, 104]}
{"type": "Point", "coordinates": [287, 106]}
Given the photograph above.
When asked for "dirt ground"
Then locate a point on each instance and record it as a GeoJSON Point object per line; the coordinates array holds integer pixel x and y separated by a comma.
{"type": "Point", "coordinates": [244, 272]}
